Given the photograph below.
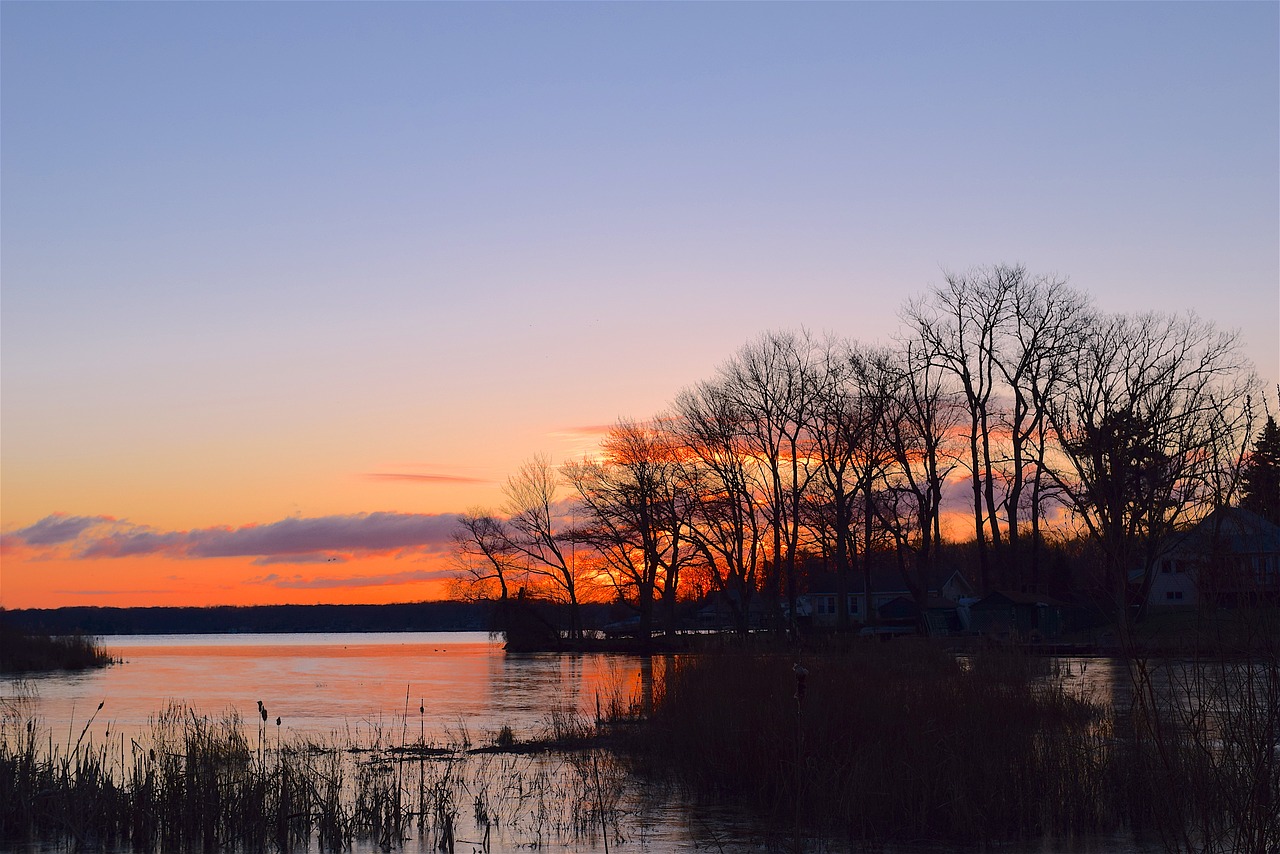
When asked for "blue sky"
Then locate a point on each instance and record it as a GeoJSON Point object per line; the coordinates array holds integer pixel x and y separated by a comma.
{"type": "Point", "coordinates": [254, 253]}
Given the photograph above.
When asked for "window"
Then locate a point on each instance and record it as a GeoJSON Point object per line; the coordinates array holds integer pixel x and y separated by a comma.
{"type": "Point", "coordinates": [1173, 594]}
{"type": "Point", "coordinates": [1166, 566]}
{"type": "Point", "coordinates": [826, 604]}
{"type": "Point", "coordinates": [853, 604]}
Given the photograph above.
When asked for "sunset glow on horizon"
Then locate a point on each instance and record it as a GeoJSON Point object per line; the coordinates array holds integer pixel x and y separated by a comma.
{"type": "Point", "coordinates": [287, 287]}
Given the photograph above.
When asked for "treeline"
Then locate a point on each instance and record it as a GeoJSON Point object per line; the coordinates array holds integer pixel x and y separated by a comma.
{"type": "Point", "coordinates": [415, 617]}
{"type": "Point", "coordinates": [1008, 399]}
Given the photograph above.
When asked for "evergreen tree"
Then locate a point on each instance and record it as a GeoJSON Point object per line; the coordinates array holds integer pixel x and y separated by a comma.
{"type": "Point", "coordinates": [1262, 474]}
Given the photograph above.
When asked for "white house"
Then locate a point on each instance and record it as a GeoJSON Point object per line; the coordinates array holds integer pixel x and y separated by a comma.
{"type": "Point", "coordinates": [1231, 556]}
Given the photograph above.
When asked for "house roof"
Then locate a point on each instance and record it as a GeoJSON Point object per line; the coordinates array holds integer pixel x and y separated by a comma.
{"type": "Point", "coordinates": [884, 579]}
{"type": "Point", "coordinates": [1000, 598]}
{"type": "Point", "coordinates": [933, 603]}
{"type": "Point", "coordinates": [1229, 530]}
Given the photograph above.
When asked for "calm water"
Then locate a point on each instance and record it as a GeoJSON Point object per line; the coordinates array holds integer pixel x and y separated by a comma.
{"type": "Point", "coordinates": [322, 685]}
{"type": "Point", "coordinates": [369, 688]}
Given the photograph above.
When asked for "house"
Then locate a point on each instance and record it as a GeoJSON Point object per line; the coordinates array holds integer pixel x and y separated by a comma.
{"type": "Point", "coordinates": [720, 612]}
{"type": "Point", "coordinates": [942, 617]}
{"type": "Point", "coordinates": [1008, 614]}
{"type": "Point", "coordinates": [1232, 556]}
{"type": "Point", "coordinates": [822, 597]}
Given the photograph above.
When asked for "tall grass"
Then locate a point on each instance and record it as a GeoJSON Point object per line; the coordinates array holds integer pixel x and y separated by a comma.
{"type": "Point", "coordinates": [890, 743]}
{"type": "Point", "coordinates": [23, 652]}
{"type": "Point", "coordinates": [201, 783]}
{"type": "Point", "coordinates": [899, 742]}
{"type": "Point", "coordinates": [1205, 738]}
{"type": "Point", "coordinates": [903, 742]}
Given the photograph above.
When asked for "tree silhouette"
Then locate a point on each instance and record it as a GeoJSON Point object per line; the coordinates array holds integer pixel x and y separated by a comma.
{"type": "Point", "coordinates": [1262, 474]}
{"type": "Point", "coordinates": [1148, 406]}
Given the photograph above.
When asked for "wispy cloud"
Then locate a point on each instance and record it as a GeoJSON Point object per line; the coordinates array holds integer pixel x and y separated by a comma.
{"type": "Point", "coordinates": [112, 592]}
{"type": "Point", "coordinates": [309, 558]}
{"type": "Point", "coordinates": [584, 430]}
{"type": "Point", "coordinates": [293, 540]}
{"type": "Point", "coordinates": [298, 582]}
{"type": "Point", "coordinates": [425, 478]}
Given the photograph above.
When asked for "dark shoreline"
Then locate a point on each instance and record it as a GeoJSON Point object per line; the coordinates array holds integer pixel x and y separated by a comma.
{"type": "Point", "coordinates": [266, 619]}
{"type": "Point", "coordinates": [98, 620]}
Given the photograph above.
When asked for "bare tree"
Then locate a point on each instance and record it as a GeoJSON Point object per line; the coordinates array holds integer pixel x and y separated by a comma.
{"type": "Point", "coordinates": [920, 424]}
{"type": "Point", "coordinates": [773, 387]}
{"type": "Point", "coordinates": [850, 451]}
{"type": "Point", "coordinates": [634, 516]}
{"type": "Point", "coordinates": [484, 553]}
{"type": "Point", "coordinates": [1045, 321]}
{"type": "Point", "coordinates": [538, 532]}
{"type": "Point", "coordinates": [726, 512]}
{"type": "Point", "coordinates": [957, 325]}
{"type": "Point", "coordinates": [1139, 422]}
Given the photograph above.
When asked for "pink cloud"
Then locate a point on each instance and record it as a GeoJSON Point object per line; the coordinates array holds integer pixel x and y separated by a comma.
{"type": "Point", "coordinates": [59, 528]}
{"type": "Point", "coordinates": [292, 540]}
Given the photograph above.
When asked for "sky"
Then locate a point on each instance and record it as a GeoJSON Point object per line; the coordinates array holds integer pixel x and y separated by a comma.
{"type": "Point", "coordinates": [283, 286]}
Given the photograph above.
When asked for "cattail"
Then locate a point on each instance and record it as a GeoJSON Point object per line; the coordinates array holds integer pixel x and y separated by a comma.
{"type": "Point", "coordinates": [262, 710]}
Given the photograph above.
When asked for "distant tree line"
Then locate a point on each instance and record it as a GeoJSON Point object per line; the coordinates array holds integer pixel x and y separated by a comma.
{"type": "Point", "coordinates": [1052, 416]}
{"type": "Point", "coordinates": [95, 620]}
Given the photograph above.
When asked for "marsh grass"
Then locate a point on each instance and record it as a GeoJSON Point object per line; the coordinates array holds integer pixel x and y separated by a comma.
{"type": "Point", "coordinates": [200, 783]}
{"type": "Point", "coordinates": [889, 744]}
{"type": "Point", "coordinates": [1204, 750]}
{"type": "Point", "coordinates": [905, 743]}
{"type": "Point", "coordinates": [24, 652]}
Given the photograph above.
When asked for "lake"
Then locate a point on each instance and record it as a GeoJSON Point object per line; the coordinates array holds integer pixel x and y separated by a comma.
{"type": "Point", "coordinates": [447, 689]}
{"type": "Point", "coordinates": [339, 684]}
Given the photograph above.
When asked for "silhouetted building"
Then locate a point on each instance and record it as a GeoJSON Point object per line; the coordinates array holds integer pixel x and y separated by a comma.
{"type": "Point", "coordinates": [1230, 557]}
{"type": "Point", "coordinates": [1010, 615]}
{"type": "Point", "coordinates": [823, 598]}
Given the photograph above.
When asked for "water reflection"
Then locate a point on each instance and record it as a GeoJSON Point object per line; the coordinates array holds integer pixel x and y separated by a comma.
{"type": "Point", "coordinates": [390, 689]}
{"type": "Point", "coordinates": [1099, 680]}
{"type": "Point", "coordinates": [360, 684]}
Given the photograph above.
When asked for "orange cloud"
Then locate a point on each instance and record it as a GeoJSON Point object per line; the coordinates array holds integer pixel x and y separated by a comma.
{"type": "Point", "coordinates": [585, 430]}
{"type": "Point", "coordinates": [158, 579]}
{"type": "Point", "coordinates": [348, 582]}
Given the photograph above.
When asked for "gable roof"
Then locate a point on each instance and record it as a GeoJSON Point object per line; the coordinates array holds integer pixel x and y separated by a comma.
{"type": "Point", "coordinates": [1003, 598]}
{"type": "Point", "coordinates": [1229, 530]}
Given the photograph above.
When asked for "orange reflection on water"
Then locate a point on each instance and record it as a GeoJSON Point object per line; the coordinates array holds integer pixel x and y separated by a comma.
{"type": "Point", "coordinates": [445, 688]}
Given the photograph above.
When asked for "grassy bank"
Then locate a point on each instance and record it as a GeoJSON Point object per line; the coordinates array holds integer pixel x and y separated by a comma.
{"type": "Point", "coordinates": [24, 652]}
